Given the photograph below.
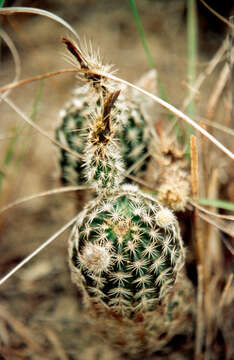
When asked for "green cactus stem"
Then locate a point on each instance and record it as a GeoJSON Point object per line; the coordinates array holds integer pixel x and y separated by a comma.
{"type": "Point", "coordinates": [74, 121]}
{"type": "Point", "coordinates": [126, 251]}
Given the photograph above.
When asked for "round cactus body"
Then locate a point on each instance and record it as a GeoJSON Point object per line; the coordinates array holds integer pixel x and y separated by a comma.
{"type": "Point", "coordinates": [133, 134]}
{"type": "Point", "coordinates": [125, 251]}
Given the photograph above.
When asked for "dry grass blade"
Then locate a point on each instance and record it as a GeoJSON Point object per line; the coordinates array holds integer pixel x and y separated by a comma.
{"type": "Point", "coordinates": [15, 56]}
{"type": "Point", "coordinates": [39, 249]}
{"type": "Point", "coordinates": [194, 177]}
{"type": "Point", "coordinates": [217, 126]}
{"type": "Point", "coordinates": [194, 166]}
{"type": "Point", "coordinates": [38, 128]}
{"type": "Point", "coordinates": [230, 61]}
{"type": "Point", "coordinates": [207, 72]}
{"type": "Point", "coordinates": [201, 208]}
{"type": "Point", "coordinates": [225, 293]}
{"type": "Point", "coordinates": [200, 314]}
{"type": "Point", "coordinates": [155, 98]}
{"type": "Point", "coordinates": [27, 10]}
{"type": "Point", "coordinates": [173, 109]}
{"type": "Point", "coordinates": [223, 19]}
{"type": "Point", "coordinates": [224, 227]}
{"type": "Point", "coordinates": [14, 85]}
{"type": "Point", "coordinates": [218, 89]}
{"type": "Point", "coordinates": [56, 343]}
{"type": "Point", "coordinates": [140, 181]}
{"type": "Point", "coordinates": [42, 194]}
{"type": "Point", "coordinates": [20, 329]}
{"type": "Point", "coordinates": [138, 163]}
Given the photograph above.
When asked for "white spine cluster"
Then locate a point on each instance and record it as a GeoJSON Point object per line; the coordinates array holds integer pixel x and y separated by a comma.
{"type": "Point", "coordinates": [103, 166]}
{"type": "Point", "coordinates": [95, 258]}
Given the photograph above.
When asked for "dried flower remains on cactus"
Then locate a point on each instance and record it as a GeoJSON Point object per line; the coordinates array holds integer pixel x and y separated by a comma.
{"type": "Point", "coordinates": [74, 122]}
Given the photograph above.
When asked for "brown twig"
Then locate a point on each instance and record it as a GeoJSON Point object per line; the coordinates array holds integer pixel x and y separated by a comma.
{"type": "Point", "coordinates": [218, 89]}
{"type": "Point", "coordinates": [225, 293]}
{"type": "Point", "coordinates": [194, 177]}
{"type": "Point", "coordinates": [21, 329]}
{"type": "Point", "coordinates": [52, 336]}
{"type": "Point", "coordinates": [200, 314]}
{"type": "Point", "coordinates": [14, 85]}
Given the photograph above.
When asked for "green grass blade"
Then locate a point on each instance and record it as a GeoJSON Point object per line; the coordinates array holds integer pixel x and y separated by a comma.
{"type": "Point", "coordinates": [141, 33]}
{"type": "Point", "coordinates": [147, 50]}
{"type": "Point", "coordinates": [192, 52]}
{"type": "Point", "coordinates": [32, 117]}
{"type": "Point", "coordinates": [192, 61]}
{"type": "Point", "coordinates": [8, 156]}
{"type": "Point", "coordinates": [221, 204]}
{"type": "Point", "coordinates": [11, 147]}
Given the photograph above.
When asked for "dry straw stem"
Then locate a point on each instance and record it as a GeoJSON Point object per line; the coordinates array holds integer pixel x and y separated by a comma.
{"type": "Point", "coordinates": [230, 61]}
{"type": "Point", "coordinates": [200, 314]}
{"type": "Point", "coordinates": [194, 177]}
{"type": "Point", "coordinates": [20, 329]}
{"type": "Point", "coordinates": [218, 221]}
{"type": "Point", "coordinates": [223, 226]}
{"type": "Point", "coordinates": [224, 294]}
{"type": "Point", "coordinates": [27, 10]}
{"type": "Point", "coordinates": [37, 127]}
{"type": "Point", "coordinates": [14, 84]}
{"type": "Point", "coordinates": [223, 19]}
{"type": "Point", "coordinates": [202, 209]}
{"type": "Point", "coordinates": [222, 301]}
{"type": "Point", "coordinates": [213, 251]}
{"type": "Point", "coordinates": [207, 72]}
{"type": "Point", "coordinates": [155, 98]}
{"type": "Point", "coordinates": [53, 338]}
{"type": "Point", "coordinates": [218, 89]}
{"type": "Point", "coordinates": [34, 253]}
{"type": "Point", "coordinates": [42, 194]}
{"type": "Point", "coordinates": [173, 109]}
{"type": "Point", "coordinates": [215, 125]}
{"type": "Point", "coordinates": [16, 59]}
{"type": "Point", "coordinates": [194, 166]}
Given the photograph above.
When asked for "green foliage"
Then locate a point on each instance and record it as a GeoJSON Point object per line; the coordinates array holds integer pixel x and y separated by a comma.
{"type": "Point", "coordinates": [222, 204]}
{"type": "Point", "coordinates": [146, 48]}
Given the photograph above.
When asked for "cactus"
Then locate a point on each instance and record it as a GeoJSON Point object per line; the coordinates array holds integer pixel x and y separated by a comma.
{"type": "Point", "coordinates": [126, 247]}
{"type": "Point", "coordinates": [126, 251]}
{"type": "Point", "coordinates": [134, 134]}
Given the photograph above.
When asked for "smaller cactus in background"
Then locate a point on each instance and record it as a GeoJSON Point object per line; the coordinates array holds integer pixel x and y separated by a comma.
{"type": "Point", "coordinates": [133, 135]}
{"type": "Point", "coordinates": [74, 121]}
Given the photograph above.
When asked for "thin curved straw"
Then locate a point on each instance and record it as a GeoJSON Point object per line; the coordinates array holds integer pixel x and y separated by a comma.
{"type": "Point", "coordinates": [173, 109]}
{"type": "Point", "coordinates": [28, 10]}
{"type": "Point", "coordinates": [16, 59]}
{"type": "Point", "coordinates": [42, 194]}
{"type": "Point", "coordinates": [40, 248]}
